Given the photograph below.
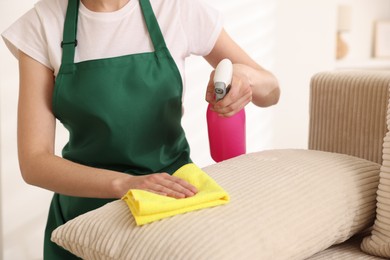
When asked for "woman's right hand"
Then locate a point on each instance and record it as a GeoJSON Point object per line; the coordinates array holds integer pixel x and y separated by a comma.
{"type": "Point", "coordinates": [163, 184]}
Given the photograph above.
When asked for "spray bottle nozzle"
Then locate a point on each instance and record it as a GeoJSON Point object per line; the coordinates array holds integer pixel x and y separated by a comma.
{"type": "Point", "coordinates": [223, 78]}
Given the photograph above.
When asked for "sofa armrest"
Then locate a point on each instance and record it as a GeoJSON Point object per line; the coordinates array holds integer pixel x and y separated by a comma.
{"type": "Point", "coordinates": [348, 112]}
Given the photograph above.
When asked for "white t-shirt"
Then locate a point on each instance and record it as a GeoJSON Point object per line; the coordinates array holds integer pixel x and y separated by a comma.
{"type": "Point", "coordinates": [188, 26]}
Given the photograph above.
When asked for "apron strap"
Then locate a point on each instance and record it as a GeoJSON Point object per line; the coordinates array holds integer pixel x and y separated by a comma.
{"type": "Point", "coordinates": [153, 27]}
{"type": "Point", "coordinates": [69, 41]}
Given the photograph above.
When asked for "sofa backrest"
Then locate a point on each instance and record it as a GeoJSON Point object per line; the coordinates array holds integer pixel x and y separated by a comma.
{"type": "Point", "coordinates": [348, 112]}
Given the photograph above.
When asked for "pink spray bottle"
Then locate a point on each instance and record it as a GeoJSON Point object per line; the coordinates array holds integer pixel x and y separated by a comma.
{"type": "Point", "coordinates": [226, 134]}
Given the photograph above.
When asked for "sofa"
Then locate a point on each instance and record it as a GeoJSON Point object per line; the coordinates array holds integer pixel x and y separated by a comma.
{"type": "Point", "coordinates": [329, 201]}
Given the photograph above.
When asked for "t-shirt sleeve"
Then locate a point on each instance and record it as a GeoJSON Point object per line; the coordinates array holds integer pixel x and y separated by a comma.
{"type": "Point", "coordinates": [27, 35]}
{"type": "Point", "coordinates": [202, 25]}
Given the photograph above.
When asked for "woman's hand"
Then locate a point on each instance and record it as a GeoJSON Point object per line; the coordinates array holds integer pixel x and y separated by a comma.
{"type": "Point", "coordinates": [161, 183]}
{"type": "Point", "coordinates": [239, 95]}
{"type": "Point", "coordinates": [250, 83]}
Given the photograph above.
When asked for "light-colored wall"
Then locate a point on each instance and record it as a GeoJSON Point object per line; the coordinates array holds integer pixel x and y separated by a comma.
{"type": "Point", "coordinates": [360, 37]}
{"type": "Point", "coordinates": [294, 39]}
{"type": "Point", "coordinates": [305, 45]}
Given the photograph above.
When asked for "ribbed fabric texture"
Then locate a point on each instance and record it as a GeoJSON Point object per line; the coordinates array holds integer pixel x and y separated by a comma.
{"type": "Point", "coordinates": [379, 241]}
{"type": "Point", "coordinates": [350, 250]}
{"type": "Point", "coordinates": [285, 204]}
{"type": "Point", "coordinates": [348, 112]}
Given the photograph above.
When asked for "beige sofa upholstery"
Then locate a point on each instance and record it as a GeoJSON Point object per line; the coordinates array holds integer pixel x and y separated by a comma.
{"type": "Point", "coordinates": [285, 204]}
{"type": "Point", "coordinates": [348, 112]}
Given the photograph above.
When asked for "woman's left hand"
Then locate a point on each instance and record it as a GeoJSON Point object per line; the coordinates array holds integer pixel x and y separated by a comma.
{"type": "Point", "coordinates": [239, 95]}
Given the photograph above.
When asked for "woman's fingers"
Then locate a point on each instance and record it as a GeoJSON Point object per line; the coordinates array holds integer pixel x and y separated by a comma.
{"type": "Point", "coordinates": [237, 98]}
{"type": "Point", "coordinates": [233, 102]}
{"type": "Point", "coordinates": [174, 187]}
{"type": "Point", "coordinates": [165, 184]}
{"type": "Point", "coordinates": [233, 108]}
{"type": "Point", "coordinates": [210, 93]}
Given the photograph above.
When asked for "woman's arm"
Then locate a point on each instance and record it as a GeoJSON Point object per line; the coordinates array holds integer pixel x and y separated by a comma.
{"type": "Point", "coordinates": [41, 167]}
{"type": "Point", "coordinates": [250, 81]}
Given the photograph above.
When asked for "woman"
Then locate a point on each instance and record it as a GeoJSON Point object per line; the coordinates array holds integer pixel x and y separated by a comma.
{"type": "Point", "coordinates": [111, 72]}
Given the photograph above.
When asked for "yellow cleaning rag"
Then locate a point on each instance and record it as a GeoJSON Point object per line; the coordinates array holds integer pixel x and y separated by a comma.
{"type": "Point", "coordinates": [147, 207]}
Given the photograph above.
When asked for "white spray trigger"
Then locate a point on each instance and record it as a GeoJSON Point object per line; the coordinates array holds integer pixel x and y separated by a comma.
{"type": "Point", "coordinates": [223, 78]}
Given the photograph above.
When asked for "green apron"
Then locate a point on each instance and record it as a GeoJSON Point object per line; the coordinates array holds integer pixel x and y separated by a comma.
{"type": "Point", "coordinates": [122, 114]}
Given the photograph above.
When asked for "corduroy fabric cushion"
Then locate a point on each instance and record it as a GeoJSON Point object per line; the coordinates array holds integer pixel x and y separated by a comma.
{"type": "Point", "coordinates": [285, 204]}
{"type": "Point", "coordinates": [349, 250]}
{"type": "Point", "coordinates": [379, 242]}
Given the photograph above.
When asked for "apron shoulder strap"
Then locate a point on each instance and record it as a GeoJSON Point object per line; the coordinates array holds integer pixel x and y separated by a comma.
{"type": "Point", "coordinates": [152, 25]}
{"type": "Point", "coordinates": [69, 41]}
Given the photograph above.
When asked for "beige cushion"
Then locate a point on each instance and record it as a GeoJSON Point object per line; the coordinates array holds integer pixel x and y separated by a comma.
{"type": "Point", "coordinates": [285, 204]}
{"type": "Point", "coordinates": [349, 250]}
{"type": "Point", "coordinates": [379, 241]}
